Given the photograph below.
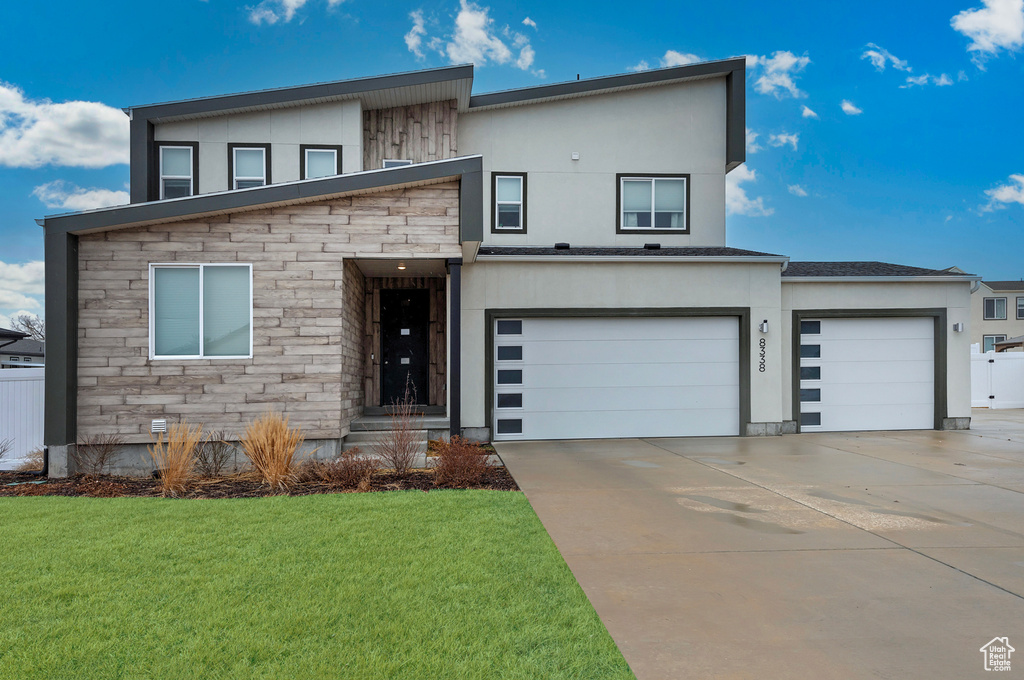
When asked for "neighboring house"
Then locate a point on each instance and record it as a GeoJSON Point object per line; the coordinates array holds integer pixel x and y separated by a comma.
{"type": "Point", "coordinates": [997, 313]}
{"type": "Point", "coordinates": [549, 262]}
{"type": "Point", "coordinates": [17, 350]}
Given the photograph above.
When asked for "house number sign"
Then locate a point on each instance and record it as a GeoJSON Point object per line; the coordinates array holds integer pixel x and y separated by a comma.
{"type": "Point", "coordinates": [761, 344]}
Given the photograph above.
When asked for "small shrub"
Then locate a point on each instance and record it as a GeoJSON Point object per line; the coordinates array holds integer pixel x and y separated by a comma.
{"type": "Point", "coordinates": [348, 471]}
{"type": "Point", "coordinates": [461, 463]}
{"type": "Point", "coordinates": [213, 454]}
{"type": "Point", "coordinates": [34, 461]}
{"type": "Point", "coordinates": [270, 444]}
{"type": "Point", "coordinates": [96, 451]}
{"type": "Point", "coordinates": [175, 457]}
{"type": "Point", "coordinates": [399, 445]}
{"type": "Point", "coordinates": [5, 447]}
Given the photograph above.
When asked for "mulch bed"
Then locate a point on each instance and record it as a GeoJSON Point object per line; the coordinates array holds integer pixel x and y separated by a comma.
{"type": "Point", "coordinates": [244, 485]}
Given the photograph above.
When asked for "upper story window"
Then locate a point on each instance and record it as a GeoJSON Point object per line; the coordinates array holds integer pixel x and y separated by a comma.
{"type": "Point", "coordinates": [395, 162]}
{"type": "Point", "coordinates": [200, 311]}
{"type": "Point", "coordinates": [995, 308]}
{"type": "Point", "coordinates": [508, 202]}
{"type": "Point", "coordinates": [1020, 308]}
{"type": "Point", "coordinates": [319, 161]}
{"type": "Point", "coordinates": [248, 165]}
{"type": "Point", "coordinates": [178, 169]}
{"type": "Point", "coordinates": [653, 202]}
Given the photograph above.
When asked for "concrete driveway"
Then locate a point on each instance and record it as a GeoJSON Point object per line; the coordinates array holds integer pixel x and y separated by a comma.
{"type": "Point", "coordinates": [883, 554]}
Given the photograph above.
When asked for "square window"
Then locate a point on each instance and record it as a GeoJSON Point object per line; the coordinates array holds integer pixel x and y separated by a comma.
{"type": "Point", "coordinates": [177, 169]}
{"type": "Point", "coordinates": [510, 327]}
{"type": "Point", "coordinates": [810, 328]}
{"type": "Point", "coordinates": [995, 309]}
{"type": "Point", "coordinates": [810, 372]}
{"type": "Point", "coordinates": [508, 202]}
{"type": "Point", "coordinates": [989, 342]}
{"type": "Point", "coordinates": [200, 311]}
{"type": "Point", "coordinates": [510, 401]}
{"type": "Point", "coordinates": [810, 419]}
{"type": "Point", "coordinates": [510, 377]}
{"type": "Point", "coordinates": [319, 161]}
{"type": "Point", "coordinates": [810, 395]}
{"type": "Point", "coordinates": [510, 426]}
{"type": "Point", "coordinates": [248, 165]}
{"type": "Point", "coordinates": [810, 351]}
{"type": "Point", "coordinates": [653, 203]}
{"type": "Point", "coordinates": [510, 353]}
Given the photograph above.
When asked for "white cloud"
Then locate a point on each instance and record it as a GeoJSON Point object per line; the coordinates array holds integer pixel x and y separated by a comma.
{"type": "Point", "coordinates": [784, 138]}
{"type": "Point", "coordinates": [849, 109]}
{"type": "Point", "coordinates": [474, 40]}
{"type": "Point", "coordinates": [21, 287]}
{"type": "Point", "coordinates": [525, 60]}
{"type": "Point", "coordinates": [271, 11]}
{"type": "Point", "coordinates": [529, 22]}
{"type": "Point", "coordinates": [797, 190]}
{"type": "Point", "coordinates": [779, 73]}
{"type": "Point", "coordinates": [61, 194]}
{"type": "Point", "coordinates": [414, 38]}
{"type": "Point", "coordinates": [881, 57]}
{"type": "Point", "coordinates": [807, 113]}
{"type": "Point", "coordinates": [673, 58]}
{"type": "Point", "coordinates": [752, 145]}
{"type": "Point", "coordinates": [919, 80]}
{"type": "Point", "coordinates": [999, 25]}
{"type": "Point", "coordinates": [999, 197]}
{"type": "Point", "coordinates": [642, 66]}
{"type": "Point", "coordinates": [940, 81]}
{"type": "Point", "coordinates": [80, 134]}
{"type": "Point", "coordinates": [736, 200]}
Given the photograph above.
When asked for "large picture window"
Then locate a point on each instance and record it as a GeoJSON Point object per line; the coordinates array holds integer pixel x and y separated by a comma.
{"type": "Point", "coordinates": [178, 169]}
{"type": "Point", "coordinates": [653, 202]}
{"type": "Point", "coordinates": [200, 311]}
{"type": "Point", "coordinates": [508, 202]}
{"type": "Point", "coordinates": [248, 165]}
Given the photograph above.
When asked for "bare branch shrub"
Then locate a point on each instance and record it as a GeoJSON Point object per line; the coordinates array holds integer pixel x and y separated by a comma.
{"type": "Point", "coordinates": [399, 444]}
{"type": "Point", "coordinates": [175, 457]}
{"type": "Point", "coordinates": [348, 471]}
{"type": "Point", "coordinates": [461, 463]}
{"type": "Point", "coordinates": [33, 461]}
{"type": "Point", "coordinates": [213, 454]}
{"type": "Point", "coordinates": [5, 447]}
{"type": "Point", "coordinates": [96, 451]}
{"type": "Point", "coordinates": [270, 444]}
{"type": "Point", "coordinates": [31, 325]}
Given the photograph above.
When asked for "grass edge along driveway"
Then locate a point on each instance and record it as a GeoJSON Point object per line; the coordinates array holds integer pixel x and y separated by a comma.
{"type": "Point", "coordinates": [448, 584]}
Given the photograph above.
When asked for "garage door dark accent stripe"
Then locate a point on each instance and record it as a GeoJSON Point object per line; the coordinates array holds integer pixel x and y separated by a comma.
{"type": "Point", "coordinates": [938, 315]}
{"type": "Point", "coordinates": [741, 313]}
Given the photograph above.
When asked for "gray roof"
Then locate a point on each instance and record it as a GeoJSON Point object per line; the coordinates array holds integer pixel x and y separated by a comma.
{"type": "Point", "coordinates": [7, 334]}
{"type": "Point", "coordinates": [26, 346]}
{"type": "Point", "coordinates": [1005, 285]}
{"type": "Point", "coordinates": [798, 269]}
{"type": "Point", "coordinates": [623, 252]}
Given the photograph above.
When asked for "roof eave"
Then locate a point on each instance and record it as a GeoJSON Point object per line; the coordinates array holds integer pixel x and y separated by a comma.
{"type": "Point", "coordinates": [880, 279]}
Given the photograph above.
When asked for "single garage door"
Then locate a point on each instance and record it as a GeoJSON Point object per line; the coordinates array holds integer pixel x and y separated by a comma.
{"type": "Point", "coordinates": [867, 374]}
{"type": "Point", "coordinates": [584, 378]}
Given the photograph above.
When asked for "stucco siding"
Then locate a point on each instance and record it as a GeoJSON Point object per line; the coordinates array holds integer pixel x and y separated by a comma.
{"type": "Point", "coordinates": [1011, 326]}
{"type": "Point", "coordinates": [670, 129]}
{"type": "Point", "coordinates": [306, 337]}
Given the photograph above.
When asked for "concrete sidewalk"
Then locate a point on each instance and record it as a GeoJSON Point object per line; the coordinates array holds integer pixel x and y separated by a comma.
{"type": "Point", "coordinates": [893, 554]}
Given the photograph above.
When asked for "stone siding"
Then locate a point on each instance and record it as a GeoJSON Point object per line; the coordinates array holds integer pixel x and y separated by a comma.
{"type": "Point", "coordinates": [421, 132]}
{"type": "Point", "coordinates": [305, 299]}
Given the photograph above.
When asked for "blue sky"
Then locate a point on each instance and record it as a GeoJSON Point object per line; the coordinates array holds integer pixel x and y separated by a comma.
{"type": "Point", "coordinates": [876, 131]}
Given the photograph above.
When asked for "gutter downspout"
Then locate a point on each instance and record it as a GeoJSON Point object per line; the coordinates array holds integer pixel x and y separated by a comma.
{"type": "Point", "coordinates": [975, 287]}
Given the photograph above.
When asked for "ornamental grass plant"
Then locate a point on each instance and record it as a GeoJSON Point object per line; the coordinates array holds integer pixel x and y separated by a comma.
{"type": "Point", "coordinates": [271, 445]}
{"type": "Point", "coordinates": [174, 457]}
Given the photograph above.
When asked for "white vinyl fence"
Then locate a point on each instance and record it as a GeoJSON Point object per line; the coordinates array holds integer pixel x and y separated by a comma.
{"type": "Point", "coordinates": [997, 379]}
{"type": "Point", "coordinates": [21, 412]}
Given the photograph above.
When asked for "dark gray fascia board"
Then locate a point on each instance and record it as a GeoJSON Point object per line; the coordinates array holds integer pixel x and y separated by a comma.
{"type": "Point", "coordinates": [300, 93]}
{"type": "Point", "coordinates": [734, 71]}
{"type": "Point", "coordinates": [204, 204]}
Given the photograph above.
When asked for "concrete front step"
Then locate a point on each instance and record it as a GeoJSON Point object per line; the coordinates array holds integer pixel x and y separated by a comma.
{"type": "Point", "coordinates": [367, 446]}
{"type": "Point", "coordinates": [379, 423]}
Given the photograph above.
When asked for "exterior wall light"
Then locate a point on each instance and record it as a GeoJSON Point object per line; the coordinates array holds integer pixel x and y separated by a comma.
{"type": "Point", "coordinates": [763, 326]}
{"type": "Point", "coordinates": [958, 327]}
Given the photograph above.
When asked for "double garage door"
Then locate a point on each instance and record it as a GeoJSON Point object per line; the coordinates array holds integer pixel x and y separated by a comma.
{"type": "Point", "coordinates": [582, 378]}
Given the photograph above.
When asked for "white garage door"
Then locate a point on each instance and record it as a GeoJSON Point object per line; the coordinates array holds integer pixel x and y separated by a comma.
{"type": "Point", "coordinates": [585, 378]}
{"type": "Point", "coordinates": [867, 374]}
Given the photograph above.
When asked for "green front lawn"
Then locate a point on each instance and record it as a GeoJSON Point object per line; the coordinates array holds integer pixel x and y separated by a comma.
{"type": "Point", "coordinates": [447, 584]}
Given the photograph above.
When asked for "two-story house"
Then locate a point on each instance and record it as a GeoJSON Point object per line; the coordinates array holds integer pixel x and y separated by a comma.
{"type": "Point", "coordinates": [997, 313]}
{"type": "Point", "coordinates": [542, 263]}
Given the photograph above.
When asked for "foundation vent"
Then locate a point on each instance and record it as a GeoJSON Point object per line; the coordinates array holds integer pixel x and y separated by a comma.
{"type": "Point", "coordinates": [158, 426]}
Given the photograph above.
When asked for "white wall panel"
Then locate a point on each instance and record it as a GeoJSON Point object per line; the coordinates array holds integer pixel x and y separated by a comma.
{"type": "Point", "coordinates": [21, 412]}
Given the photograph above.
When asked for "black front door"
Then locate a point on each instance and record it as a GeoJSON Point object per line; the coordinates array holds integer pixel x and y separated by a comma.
{"type": "Point", "coordinates": [405, 349]}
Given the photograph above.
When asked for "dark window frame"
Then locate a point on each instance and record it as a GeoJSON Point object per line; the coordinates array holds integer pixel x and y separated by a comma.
{"type": "Point", "coordinates": [303, 148]}
{"type": "Point", "coordinates": [984, 309]}
{"type": "Point", "coordinates": [619, 229]}
{"type": "Point", "coordinates": [231, 161]}
{"type": "Point", "coordinates": [159, 166]}
{"type": "Point", "coordinates": [494, 203]}
{"type": "Point", "coordinates": [996, 337]}
{"type": "Point", "coordinates": [1019, 307]}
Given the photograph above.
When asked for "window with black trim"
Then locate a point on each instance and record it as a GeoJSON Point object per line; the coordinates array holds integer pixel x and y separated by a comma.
{"type": "Point", "coordinates": [995, 309]}
{"type": "Point", "coordinates": [652, 203]}
{"type": "Point", "coordinates": [248, 165]}
{"type": "Point", "coordinates": [319, 160]}
{"type": "Point", "coordinates": [1020, 308]}
{"type": "Point", "coordinates": [989, 342]}
{"type": "Point", "coordinates": [178, 166]}
{"type": "Point", "coordinates": [508, 202]}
